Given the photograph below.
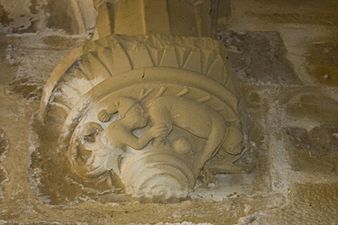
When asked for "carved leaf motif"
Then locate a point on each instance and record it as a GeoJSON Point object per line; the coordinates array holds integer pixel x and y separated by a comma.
{"type": "Point", "coordinates": [173, 112]}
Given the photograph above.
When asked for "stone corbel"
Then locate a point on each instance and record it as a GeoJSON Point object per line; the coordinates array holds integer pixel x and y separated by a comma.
{"type": "Point", "coordinates": [144, 111]}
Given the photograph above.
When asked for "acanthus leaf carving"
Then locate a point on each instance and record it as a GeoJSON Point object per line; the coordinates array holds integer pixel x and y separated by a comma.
{"type": "Point", "coordinates": [153, 128]}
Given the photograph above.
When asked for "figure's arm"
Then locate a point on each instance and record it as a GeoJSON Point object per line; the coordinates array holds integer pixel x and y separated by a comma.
{"type": "Point", "coordinates": [142, 141]}
{"type": "Point", "coordinates": [161, 115]}
{"type": "Point", "coordinates": [106, 114]}
{"type": "Point", "coordinates": [127, 138]}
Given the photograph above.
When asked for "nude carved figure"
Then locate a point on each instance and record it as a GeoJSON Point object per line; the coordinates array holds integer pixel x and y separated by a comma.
{"type": "Point", "coordinates": [195, 117]}
{"type": "Point", "coordinates": [107, 146]}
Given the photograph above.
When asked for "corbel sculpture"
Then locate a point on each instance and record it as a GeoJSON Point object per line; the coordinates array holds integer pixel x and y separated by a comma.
{"type": "Point", "coordinates": [145, 111]}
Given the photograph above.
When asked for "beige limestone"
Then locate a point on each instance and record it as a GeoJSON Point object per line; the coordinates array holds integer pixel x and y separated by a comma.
{"type": "Point", "coordinates": [293, 178]}
{"type": "Point", "coordinates": [148, 111]}
{"type": "Point", "coordinates": [30, 16]}
{"type": "Point", "coordinates": [169, 17]}
{"type": "Point", "coordinates": [4, 146]}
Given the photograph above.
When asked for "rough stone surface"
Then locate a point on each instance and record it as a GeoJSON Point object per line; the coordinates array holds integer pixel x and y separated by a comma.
{"type": "Point", "coordinates": [4, 146]}
{"type": "Point", "coordinates": [292, 127]}
{"type": "Point", "coordinates": [22, 16]}
{"type": "Point", "coordinates": [308, 204]}
{"type": "Point", "coordinates": [307, 12]}
{"type": "Point", "coordinates": [314, 151]}
{"type": "Point", "coordinates": [31, 69]}
{"type": "Point", "coordinates": [323, 62]}
{"type": "Point", "coordinates": [32, 16]}
{"type": "Point", "coordinates": [310, 104]}
{"type": "Point", "coordinates": [188, 144]}
{"type": "Point", "coordinates": [259, 57]}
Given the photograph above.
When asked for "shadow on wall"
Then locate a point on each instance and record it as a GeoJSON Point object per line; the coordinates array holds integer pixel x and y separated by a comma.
{"type": "Point", "coordinates": [97, 17]}
{"type": "Point", "coordinates": [30, 16]}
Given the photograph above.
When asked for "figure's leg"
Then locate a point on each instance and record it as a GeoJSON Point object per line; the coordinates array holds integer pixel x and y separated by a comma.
{"type": "Point", "coordinates": [160, 116]}
{"type": "Point", "coordinates": [232, 143]}
{"type": "Point", "coordinates": [214, 142]}
{"type": "Point", "coordinates": [226, 163]}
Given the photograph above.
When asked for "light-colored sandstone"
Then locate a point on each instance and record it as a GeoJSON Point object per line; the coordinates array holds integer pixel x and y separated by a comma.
{"type": "Point", "coordinates": [283, 53]}
{"type": "Point", "coordinates": [166, 103]}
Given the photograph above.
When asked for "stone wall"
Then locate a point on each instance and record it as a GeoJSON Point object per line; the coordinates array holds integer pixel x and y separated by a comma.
{"type": "Point", "coordinates": [32, 16]}
{"type": "Point", "coordinates": [284, 58]}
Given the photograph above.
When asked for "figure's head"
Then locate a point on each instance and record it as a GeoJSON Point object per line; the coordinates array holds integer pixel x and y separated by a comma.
{"type": "Point", "coordinates": [130, 111]}
{"type": "Point", "coordinates": [136, 116]}
{"type": "Point", "coordinates": [90, 131]}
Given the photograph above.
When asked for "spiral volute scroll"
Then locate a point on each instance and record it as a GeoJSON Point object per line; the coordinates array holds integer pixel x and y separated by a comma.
{"type": "Point", "coordinates": [156, 174]}
{"type": "Point", "coordinates": [178, 90]}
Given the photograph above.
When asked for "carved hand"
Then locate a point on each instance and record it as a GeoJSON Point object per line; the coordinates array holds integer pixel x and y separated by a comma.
{"type": "Point", "coordinates": [159, 130]}
{"type": "Point", "coordinates": [104, 116]}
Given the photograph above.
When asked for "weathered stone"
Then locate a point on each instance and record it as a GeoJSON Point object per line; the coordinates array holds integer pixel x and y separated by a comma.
{"type": "Point", "coordinates": [7, 70]}
{"type": "Point", "coordinates": [306, 204]}
{"type": "Point", "coordinates": [315, 150]}
{"type": "Point", "coordinates": [310, 104]}
{"type": "Point", "coordinates": [182, 142]}
{"type": "Point", "coordinates": [255, 100]}
{"type": "Point", "coordinates": [72, 16]}
{"type": "Point", "coordinates": [168, 17]}
{"type": "Point", "coordinates": [323, 62]}
{"type": "Point", "coordinates": [22, 16]}
{"type": "Point", "coordinates": [4, 147]}
{"type": "Point", "coordinates": [300, 12]}
{"type": "Point", "coordinates": [258, 57]}
{"type": "Point", "coordinates": [26, 88]}
{"type": "Point", "coordinates": [4, 16]}
{"type": "Point", "coordinates": [290, 150]}
{"type": "Point", "coordinates": [31, 16]}
{"type": "Point", "coordinates": [30, 69]}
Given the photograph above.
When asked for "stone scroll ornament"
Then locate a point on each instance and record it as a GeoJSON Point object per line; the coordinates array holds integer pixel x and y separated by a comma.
{"type": "Point", "coordinates": [148, 111]}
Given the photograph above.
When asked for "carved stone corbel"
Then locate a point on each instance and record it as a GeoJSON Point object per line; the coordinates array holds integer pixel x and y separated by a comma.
{"type": "Point", "coordinates": [144, 111]}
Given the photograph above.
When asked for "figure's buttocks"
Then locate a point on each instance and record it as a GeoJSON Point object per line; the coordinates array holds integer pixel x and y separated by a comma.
{"type": "Point", "coordinates": [185, 113]}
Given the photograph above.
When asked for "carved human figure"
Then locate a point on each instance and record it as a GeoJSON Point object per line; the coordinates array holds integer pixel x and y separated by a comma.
{"type": "Point", "coordinates": [85, 153]}
{"type": "Point", "coordinates": [180, 133]}
{"type": "Point", "coordinates": [195, 117]}
{"type": "Point", "coordinates": [108, 146]}
{"type": "Point", "coordinates": [132, 116]}
{"type": "Point", "coordinates": [119, 134]}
